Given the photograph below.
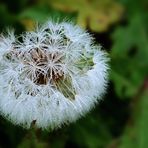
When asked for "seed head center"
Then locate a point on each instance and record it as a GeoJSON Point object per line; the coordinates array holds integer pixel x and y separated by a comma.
{"type": "Point", "coordinates": [48, 66]}
{"type": "Point", "coordinates": [41, 66]}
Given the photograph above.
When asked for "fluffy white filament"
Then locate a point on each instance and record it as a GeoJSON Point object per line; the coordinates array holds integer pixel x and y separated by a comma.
{"type": "Point", "coordinates": [51, 76]}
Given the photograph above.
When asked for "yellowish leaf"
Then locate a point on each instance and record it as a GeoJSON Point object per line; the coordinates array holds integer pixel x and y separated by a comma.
{"type": "Point", "coordinates": [97, 15]}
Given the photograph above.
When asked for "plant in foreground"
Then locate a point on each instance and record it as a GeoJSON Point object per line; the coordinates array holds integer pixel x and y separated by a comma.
{"type": "Point", "coordinates": [50, 76]}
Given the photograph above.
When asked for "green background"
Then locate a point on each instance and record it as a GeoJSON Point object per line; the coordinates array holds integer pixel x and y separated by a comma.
{"type": "Point", "coordinates": [120, 120]}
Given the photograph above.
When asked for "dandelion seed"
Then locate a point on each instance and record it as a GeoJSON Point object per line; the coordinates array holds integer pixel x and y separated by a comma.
{"type": "Point", "coordinates": [54, 76]}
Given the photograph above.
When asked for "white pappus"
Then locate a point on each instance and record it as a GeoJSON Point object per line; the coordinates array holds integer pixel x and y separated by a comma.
{"type": "Point", "coordinates": [50, 76]}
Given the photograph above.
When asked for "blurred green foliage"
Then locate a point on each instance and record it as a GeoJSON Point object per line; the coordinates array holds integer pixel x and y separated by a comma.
{"type": "Point", "coordinates": [97, 15]}
{"type": "Point", "coordinates": [121, 119]}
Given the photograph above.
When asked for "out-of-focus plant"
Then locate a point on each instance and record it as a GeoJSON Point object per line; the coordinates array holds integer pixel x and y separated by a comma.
{"type": "Point", "coordinates": [98, 15]}
{"type": "Point", "coordinates": [121, 119]}
{"type": "Point", "coordinates": [129, 57]}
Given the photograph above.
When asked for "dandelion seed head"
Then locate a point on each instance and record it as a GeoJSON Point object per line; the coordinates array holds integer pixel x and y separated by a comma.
{"type": "Point", "coordinates": [53, 76]}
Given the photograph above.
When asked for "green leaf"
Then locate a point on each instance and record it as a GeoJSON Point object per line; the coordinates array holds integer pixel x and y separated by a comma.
{"type": "Point", "coordinates": [136, 134]}
{"type": "Point", "coordinates": [90, 132]}
{"type": "Point", "coordinates": [42, 13]}
{"type": "Point", "coordinates": [37, 13]}
{"type": "Point", "coordinates": [129, 57]}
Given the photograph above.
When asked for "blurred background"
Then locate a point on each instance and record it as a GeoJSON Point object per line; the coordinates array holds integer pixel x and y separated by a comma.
{"type": "Point", "coordinates": [121, 27]}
